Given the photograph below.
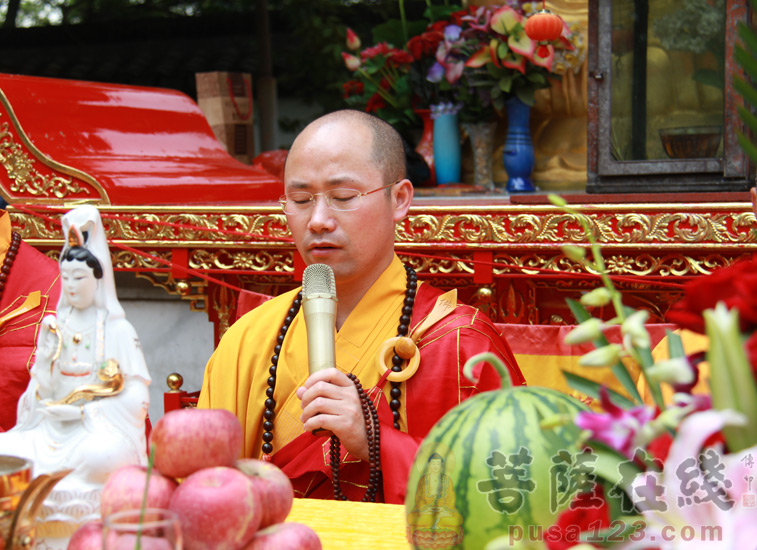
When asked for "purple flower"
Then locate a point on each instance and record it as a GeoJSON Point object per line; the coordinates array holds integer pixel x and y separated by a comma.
{"type": "Point", "coordinates": [616, 427]}
{"type": "Point", "coordinates": [452, 33]}
{"type": "Point", "coordinates": [435, 73]}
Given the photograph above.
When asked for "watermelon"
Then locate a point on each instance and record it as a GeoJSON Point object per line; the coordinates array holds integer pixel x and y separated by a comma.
{"type": "Point", "coordinates": [503, 471]}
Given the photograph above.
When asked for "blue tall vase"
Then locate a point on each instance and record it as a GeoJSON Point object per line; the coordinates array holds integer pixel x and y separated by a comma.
{"type": "Point", "coordinates": [518, 155]}
{"type": "Point", "coordinates": [446, 146]}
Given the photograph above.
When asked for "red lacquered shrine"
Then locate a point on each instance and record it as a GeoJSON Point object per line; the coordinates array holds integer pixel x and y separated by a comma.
{"type": "Point", "coordinates": [183, 213]}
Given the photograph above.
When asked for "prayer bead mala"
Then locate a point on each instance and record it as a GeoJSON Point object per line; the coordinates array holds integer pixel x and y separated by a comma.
{"type": "Point", "coordinates": [370, 415]}
{"type": "Point", "coordinates": [10, 257]}
{"type": "Point", "coordinates": [402, 329]}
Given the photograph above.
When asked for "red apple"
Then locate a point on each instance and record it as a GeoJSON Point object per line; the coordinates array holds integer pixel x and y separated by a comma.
{"type": "Point", "coordinates": [273, 487]}
{"type": "Point", "coordinates": [285, 536]}
{"type": "Point", "coordinates": [89, 536]}
{"type": "Point", "coordinates": [130, 541]}
{"type": "Point", "coordinates": [218, 509]}
{"type": "Point", "coordinates": [125, 490]}
{"type": "Point", "coordinates": [187, 440]}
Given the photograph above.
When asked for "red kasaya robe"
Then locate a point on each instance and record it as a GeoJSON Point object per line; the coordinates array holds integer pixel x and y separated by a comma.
{"type": "Point", "coordinates": [31, 271]}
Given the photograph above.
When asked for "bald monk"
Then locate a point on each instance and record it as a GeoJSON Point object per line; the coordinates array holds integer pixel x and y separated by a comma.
{"type": "Point", "coordinates": [345, 191]}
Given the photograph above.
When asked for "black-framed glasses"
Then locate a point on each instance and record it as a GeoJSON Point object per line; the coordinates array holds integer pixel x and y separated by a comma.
{"type": "Point", "coordinates": [341, 199]}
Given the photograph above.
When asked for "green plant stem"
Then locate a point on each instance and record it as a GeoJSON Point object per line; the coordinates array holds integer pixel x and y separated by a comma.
{"type": "Point", "coordinates": [403, 20]}
{"type": "Point", "coordinates": [379, 90]}
{"type": "Point", "coordinates": [644, 360]}
{"type": "Point", "coordinates": [143, 506]}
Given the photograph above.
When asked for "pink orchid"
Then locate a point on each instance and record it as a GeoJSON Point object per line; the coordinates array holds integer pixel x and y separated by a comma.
{"type": "Point", "coordinates": [616, 427]}
{"type": "Point", "coordinates": [702, 499]}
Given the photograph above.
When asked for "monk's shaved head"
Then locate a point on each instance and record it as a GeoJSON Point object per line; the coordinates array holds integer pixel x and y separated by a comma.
{"type": "Point", "coordinates": [387, 149]}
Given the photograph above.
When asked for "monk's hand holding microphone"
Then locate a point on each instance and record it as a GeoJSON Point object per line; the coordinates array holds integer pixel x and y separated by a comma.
{"type": "Point", "coordinates": [330, 402]}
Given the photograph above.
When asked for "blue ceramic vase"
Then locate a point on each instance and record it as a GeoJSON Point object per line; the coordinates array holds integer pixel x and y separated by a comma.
{"type": "Point", "coordinates": [446, 144]}
{"type": "Point", "coordinates": [518, 154]}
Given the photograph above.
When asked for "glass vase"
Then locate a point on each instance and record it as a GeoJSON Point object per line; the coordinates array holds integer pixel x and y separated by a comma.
{"type": "Point", "coordinates": [446, 144]}
{"type": "Point", "coordinates": [425, 147]}
{"type": "Point", "coordinates": [518, 155]}
{"type": "Point", "coordinates": [481, 135]}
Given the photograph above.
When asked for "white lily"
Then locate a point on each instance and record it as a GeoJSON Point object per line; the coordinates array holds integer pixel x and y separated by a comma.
{"type": "Point", "coordinates": [703, 509]}
{"type": "Point", "coordinates": [731, 375]}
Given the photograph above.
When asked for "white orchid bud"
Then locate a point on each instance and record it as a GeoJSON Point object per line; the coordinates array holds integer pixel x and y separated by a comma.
{"type": "Point", "coordinates": [633, 329]}
{"type": "Point", "coordinates": [601, 357]}
{"type": "Point", "coordinates": [672, 371]}
{"type": "Point", "coordinates": [597, 298]}
{"type": "Point", "coordinates": [588, 331]}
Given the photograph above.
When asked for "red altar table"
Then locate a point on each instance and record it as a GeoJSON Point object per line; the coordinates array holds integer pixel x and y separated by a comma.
{"type": "Point", "coordinates": [185, 215]}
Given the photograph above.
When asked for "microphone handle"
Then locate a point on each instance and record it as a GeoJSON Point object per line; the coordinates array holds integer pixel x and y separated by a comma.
{"type": "Point", "coordinates": [320, 321]}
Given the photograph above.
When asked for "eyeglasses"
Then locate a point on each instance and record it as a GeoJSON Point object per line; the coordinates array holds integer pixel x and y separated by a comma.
{"type": "Point", "coordinates": [341, 199]}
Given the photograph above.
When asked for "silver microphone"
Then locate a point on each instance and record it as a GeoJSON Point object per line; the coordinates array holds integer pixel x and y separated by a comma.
{"type": "Point", "coordinates": [319, 307]}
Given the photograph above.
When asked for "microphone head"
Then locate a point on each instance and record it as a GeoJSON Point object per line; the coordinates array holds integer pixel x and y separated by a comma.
{"type": "Point", "coordinates": [318, 279]}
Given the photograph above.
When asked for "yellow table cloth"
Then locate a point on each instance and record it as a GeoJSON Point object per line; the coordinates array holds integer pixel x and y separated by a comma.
{"type": "Point", "coordinates": [353, 525]}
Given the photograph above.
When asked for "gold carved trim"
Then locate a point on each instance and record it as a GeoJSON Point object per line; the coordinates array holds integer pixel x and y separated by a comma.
{"type": "Point", "coordinates": [26, 180]}
{"type": "Point", "coordinates": [194, 290]}
{"type": "Point", "coordinates": [608, 228]}
{"type": "Point", "coordinates": [700, 227]}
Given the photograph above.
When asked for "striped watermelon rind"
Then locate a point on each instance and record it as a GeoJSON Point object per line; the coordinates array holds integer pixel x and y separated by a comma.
{"type": "Point", "coordinates": [495, 425]}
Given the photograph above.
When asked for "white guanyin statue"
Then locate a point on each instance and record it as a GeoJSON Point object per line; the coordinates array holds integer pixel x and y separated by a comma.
{"type": "Point", "coordinates": [87, 400]}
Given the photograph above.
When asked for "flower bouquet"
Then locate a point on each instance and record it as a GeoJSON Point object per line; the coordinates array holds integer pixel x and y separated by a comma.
{"type": "Point", "coordinates": [669, 465]}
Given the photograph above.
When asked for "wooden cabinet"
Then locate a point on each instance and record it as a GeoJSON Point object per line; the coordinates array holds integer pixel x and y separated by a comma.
{"type": "Point", "coordinates": [662, 109]}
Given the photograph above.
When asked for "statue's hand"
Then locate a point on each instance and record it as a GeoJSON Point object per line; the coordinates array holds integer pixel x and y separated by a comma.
{"type": "Point", "coordinates": [47, 341]}
{"type": "Point", "coordinates": [62, 412]}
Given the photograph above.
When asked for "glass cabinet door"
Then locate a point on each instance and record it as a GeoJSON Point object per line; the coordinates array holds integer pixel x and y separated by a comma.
{"type": "Point", "coordinates": [662, 105]}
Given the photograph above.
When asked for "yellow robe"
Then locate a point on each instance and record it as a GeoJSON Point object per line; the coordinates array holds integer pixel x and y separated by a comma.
{"type": "Point", "coordinates": [242, 351]}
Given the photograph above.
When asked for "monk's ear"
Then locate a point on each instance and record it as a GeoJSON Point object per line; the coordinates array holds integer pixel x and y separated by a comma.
{"type": "Point", "coordinates": [402, 195]}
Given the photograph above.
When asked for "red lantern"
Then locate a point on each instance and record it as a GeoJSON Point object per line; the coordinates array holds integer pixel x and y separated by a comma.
{"type": "Point", "coordinates": [544, 27]}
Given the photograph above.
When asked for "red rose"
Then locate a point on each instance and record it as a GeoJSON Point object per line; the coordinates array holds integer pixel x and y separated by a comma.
{"type": "Point", "coordinates": [375, 103]}
{"type": "Point", "coordinates": [457, 17]}
{"type": "Point", "coordinates": [735, 285]}
{"type": "Point", "coordinates": [381, 48]}
{"type": "Point", "coordinates": [352, 87]}
{"type": "Point", "coordinates": [438, 26]}
{"type": "Point", "coordinates": [426, 44]}
{"type": "Point", "coordinates": [400, 57]}
{"type": "Point", "coordinates": [583, 514]}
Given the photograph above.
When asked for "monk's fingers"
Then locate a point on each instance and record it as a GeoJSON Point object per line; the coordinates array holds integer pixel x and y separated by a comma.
{"type": "Point", "coordinates": [329, 391]}
{"type": "Point", "coordinates": [351, 433]}
{"type": "Point", "coordinates": [331, 376]}
{"type": "Point", "coordinates": [321, 404]}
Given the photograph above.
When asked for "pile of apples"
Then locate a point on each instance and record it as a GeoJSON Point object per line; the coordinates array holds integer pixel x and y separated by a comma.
{"type": "Point", "coordinates": [222, 502]}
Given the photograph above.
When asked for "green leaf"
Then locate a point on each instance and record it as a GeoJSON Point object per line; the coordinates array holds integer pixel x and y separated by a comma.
{"type": "Point", "coordinates": [591, 388]}
{"type": "Point", "coordinates": [748, 118]}
{"type": "Point", "coordinates": [744, 57]}
{"type": "Point", "coordinates": [675, 345]}
{"type": "Point", "coordinates": [748, 147]}
{"type": "Point", "coordinates": [505, 83]}
{"type": "Point", "coordinates": [526, 95]}
{"type": "Point", "coordinates": [746, 90]}
{"type": "Point", "coordinates": [611, 465]}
